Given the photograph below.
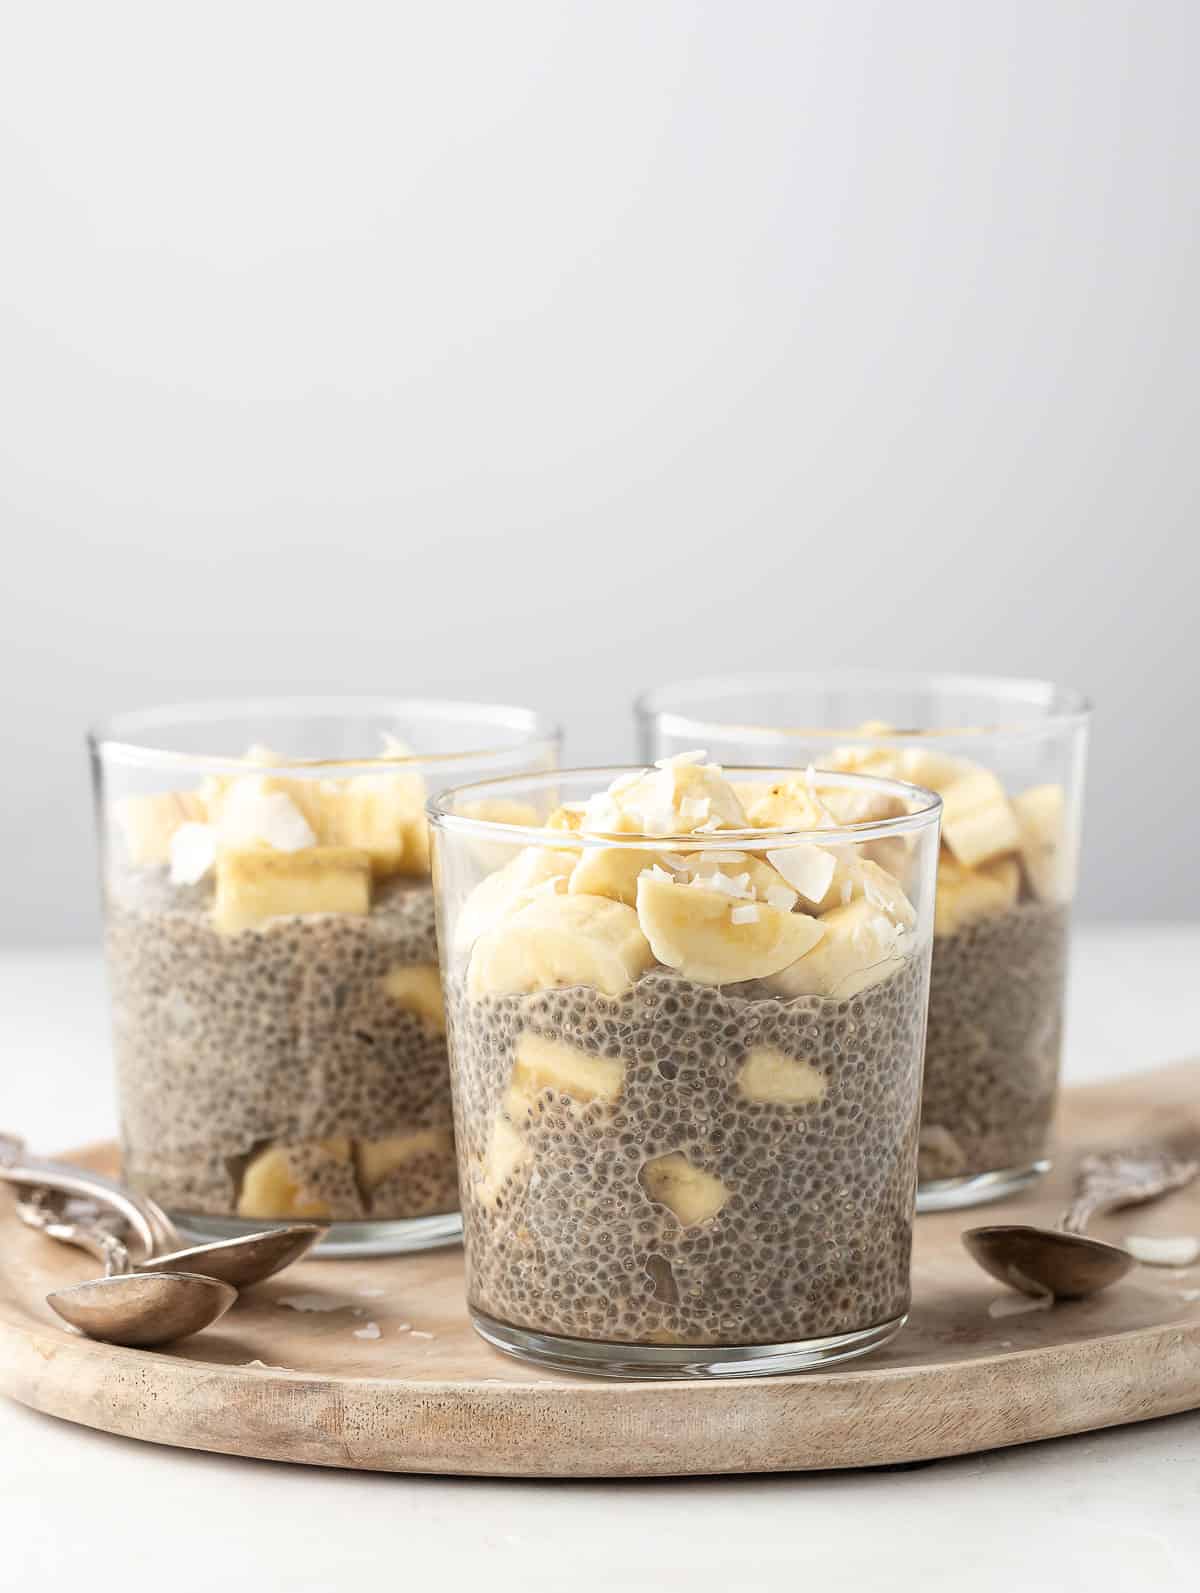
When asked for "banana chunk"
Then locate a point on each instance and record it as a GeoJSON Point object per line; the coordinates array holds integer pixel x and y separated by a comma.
{"type": "Point", "coordinates": [785, 805]}
{"type": "Point", "coordinates": [384, 816]}
{"type": "Point", "coordinates": [559, 941]}
{"type": "Point", "coordinates": [516, 885]}
{"type": "Point", "coordinates": [610, 871]}
{"type": "Point", "coordinates": [378, 1159]}
{"type": "Point", "coordinates": [1041, 819]}
{"type": "Point", "coordinates": [966, 895]}
{"type": "Point", "coordinates": [417, 987]}
{"type": "Point", "coordinates": [506, 1155]}
{"type": "Point", "coordinates": [313, 1179]}
{"type": "Point", "coordinates": [694, 930]}
{"type": "Point", "coordinates": [977, 822]}
{"type": "Point", "coordinates": [256, 885]}
{"type": "Point", "coordinates": [769, 1076]}
{"type": "Point", "coordinates": [861, 947]}
{"type": "Point", "coordinates": [543, 1064]}
{"type": "Point", "coordinates": [689, 1193]}
{"type": "Point", "coordinates": [147, 823]}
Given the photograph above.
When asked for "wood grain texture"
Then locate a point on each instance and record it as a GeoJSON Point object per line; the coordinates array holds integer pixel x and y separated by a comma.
{"type": "Point", "coordinates": [956, 1380]}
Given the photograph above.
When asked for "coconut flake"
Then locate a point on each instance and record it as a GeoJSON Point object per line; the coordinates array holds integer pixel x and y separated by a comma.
{"type": "Point", "coordinates": [313, 1301]}
{"type": "Point", "coordinates": [193, 853]}
{"type": "Point", "coordinates": [253, 813]}
{"type": "Point", "coordinates": [371, 1331]}
{"type": "Point", "coordinates": [394, 747]}
{"type": "Point", "coordinates": [810, 869]}
{"type": "Point", "coordinates": [418, 1333]}
{"type": "Point", "coordinates": [747, 914]}
{"type": "Point", "coordinates": [1018, 1304]}
{"type": "Point", "coordinates": [1179, 1251]}
{"type": "Point", "coordinates": [678, 758]}
{"type": "Point", "coordinates": [1189, 1295]}
{"type": "Point", "coordinates": [779, 896]}
{"type": "Point", "coordinates": [660, 874]}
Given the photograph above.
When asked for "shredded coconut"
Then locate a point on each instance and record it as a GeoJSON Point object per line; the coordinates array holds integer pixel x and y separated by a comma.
{"type": "Point", "coordinates": [779, 896]}
{"type": "Point", "coordinates": [810, 869]}
{"type": "Point", "coordinates": [313, 1302]}
{"type": "Point", "coordinates": [252, 813]}
{"type": "Point", "coordinates": [371, 1331]}
{"type": "Point", "coordinates": [193, 853]}
{"type": "Point", "coordinates": [1018, 1304]}
{"type": "Point", "coordinates": [371, 1294]}
{"type": "Point", "coordinates": [1179, 1251]}
{"type": "Point", "coordinates": [418, 1334]}
{"type": "Point", "coordinates": [744, 915]}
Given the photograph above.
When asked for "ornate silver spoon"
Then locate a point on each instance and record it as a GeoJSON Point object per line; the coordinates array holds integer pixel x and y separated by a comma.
{"type": "Point", "coordinates": [142, 1309]}
{"type": "Point", "coordinates": [1061, 1261]}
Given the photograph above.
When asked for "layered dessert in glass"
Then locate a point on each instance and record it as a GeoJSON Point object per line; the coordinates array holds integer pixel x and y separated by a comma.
{"type": "Point", "coordinates": [278, 1024]}
{"type": "Point", "coordinates": [1007, 758]}
{"type": "Point", "coordinates": [686, 1018]}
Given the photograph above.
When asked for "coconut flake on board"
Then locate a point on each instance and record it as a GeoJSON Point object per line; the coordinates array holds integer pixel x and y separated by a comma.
{"type": "Point", "coordinates": [1179, 1250]}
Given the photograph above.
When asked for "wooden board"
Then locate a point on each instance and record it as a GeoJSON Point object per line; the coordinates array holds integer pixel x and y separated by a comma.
{"type": "Point", "coordinates": [431, 1397]}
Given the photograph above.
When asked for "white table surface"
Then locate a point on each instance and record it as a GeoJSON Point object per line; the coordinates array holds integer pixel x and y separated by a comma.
{"type": "Point", "coordinates": [1113, 1510]}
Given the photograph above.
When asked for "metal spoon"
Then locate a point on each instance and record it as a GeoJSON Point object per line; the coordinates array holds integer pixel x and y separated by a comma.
{"type": "Point", "coordinates": [244, 1261]}
{"type": "Point", "coordinates": [1061, 1261]}
{"type": "Point", "coordinates": [140, 1309]}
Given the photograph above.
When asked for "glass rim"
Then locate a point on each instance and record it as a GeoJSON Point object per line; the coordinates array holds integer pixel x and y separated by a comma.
{"type": "Point", "coordinates": [749, 840]}
{"type": "Point", "coordinates": [117, 736]}
{"type": "Point", "coordinates": [1069, 708]}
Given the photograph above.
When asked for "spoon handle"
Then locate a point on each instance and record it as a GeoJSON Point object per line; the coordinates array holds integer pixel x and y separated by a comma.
{"type": "Point", "coordinates": [149, 1224]}
{"type": "Point", "coordinates": [1110, 1179]}
{"type": "Point", "coordinates": [91, 1237]}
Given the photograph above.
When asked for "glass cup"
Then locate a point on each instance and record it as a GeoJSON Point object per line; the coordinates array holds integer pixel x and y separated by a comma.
{"type": "Point", "coordinates": [686, 1107]}
{"type": "Point", "coordinates": [277, 1016]}
{"type": "Point", "coordinates": [1008, 758]}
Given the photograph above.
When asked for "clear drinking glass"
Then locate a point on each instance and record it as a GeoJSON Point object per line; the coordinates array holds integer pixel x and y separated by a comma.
{"type": "Point", "coordinates": [1008, 758]}
{"type": "Point", "coordinates": [686, 1106]}
{"type": "Point", "coordinates": [277, 1015]}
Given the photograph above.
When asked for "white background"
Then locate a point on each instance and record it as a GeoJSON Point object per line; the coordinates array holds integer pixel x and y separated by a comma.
{"type": "Point", "coordinates": [539, 350]}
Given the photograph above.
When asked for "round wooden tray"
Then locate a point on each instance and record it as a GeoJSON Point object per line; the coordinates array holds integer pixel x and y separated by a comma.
{"type": "Point", "coordinates": [426, 1395]}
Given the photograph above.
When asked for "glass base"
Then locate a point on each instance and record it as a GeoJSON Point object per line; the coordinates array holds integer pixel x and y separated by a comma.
{"type": "Point", "coordinates": [344, 1238]}
{"type": "Point", "coordinates": [657, 1361]}
{"type": "Point", "coordinates": [976, 1189]}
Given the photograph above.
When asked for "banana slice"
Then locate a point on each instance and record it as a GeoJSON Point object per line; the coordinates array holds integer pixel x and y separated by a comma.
{"type": "Point", "coordinates": [689, 1193]}
{"type": "Point", "coordinates": [770, 1076]}
{"type": "Point", "coordinates": [417, 987]}
{"type": "Point", "coordinates": [966, 895]}
{"type": "Point", "coordinates": [147, 823]}
{"type": "Point", "coordinates": [311, 1179]}
{"type": "Point", "coordinates": [257, 885]}
{"type": "Point", "coordinates": [1041, 814]}
{"type": "Point", "coordinates": [377, 1159]}
{"type": "Point", "coordinates": [785, 805]}
{"type": "Point", "coordinates": [694, 930]}
{"type": "Point", "coordinates": [559, 941]}
{"type": "Point", "coordinates": [977, 822]}
{"type": "Point", "coordinates": [676, 798]}
{"type": "Point", "coordinates": [610, 871]}
{"type": "Point", "coordinates": [861, 947]}
{"type": "Point", "coordinates": [509, 889]}
{"type": "Point", "coordinates": [544, 1064]}
{"type": "Point", "coordinates": [505, 1156]}
{"type": "Point", "coordinates": [384, 816]}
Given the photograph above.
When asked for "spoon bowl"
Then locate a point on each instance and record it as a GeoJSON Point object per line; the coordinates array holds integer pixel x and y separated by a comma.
{"type": "Point", "coordinates": [143, 1309]}
{"type": "Point", "coordinates": [243, 1261]}
{"type": "Point", "coordinates": [1041, 1261]}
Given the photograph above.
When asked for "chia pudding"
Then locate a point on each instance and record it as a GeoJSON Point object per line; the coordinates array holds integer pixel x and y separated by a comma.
{"type": "Point", "coordinates": [1005, 879]}
{"type": "Point", "coordinates": [278, 1020]}
{"type": "Point", "coordinates": [994, 1043]}
{"type": "Point", "coordinates": [687, 1081]}
{"type": "Point", "coordinates": [297, 1068]}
